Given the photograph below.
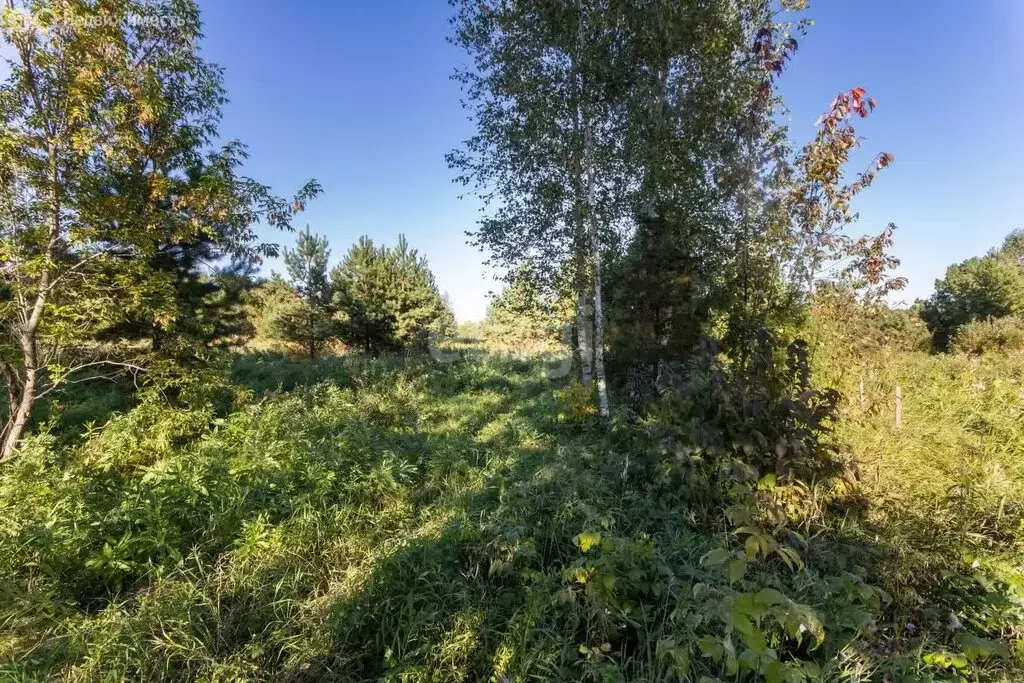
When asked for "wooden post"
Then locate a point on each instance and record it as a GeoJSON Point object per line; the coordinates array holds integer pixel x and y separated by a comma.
{"type": "Point", "coordinates": [899, 406]}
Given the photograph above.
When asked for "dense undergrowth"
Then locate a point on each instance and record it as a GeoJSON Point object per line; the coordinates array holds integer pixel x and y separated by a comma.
{"type": "Point", "coordinates": [945, 489]}
{"type": "Point", "coordinates": [389, 520]}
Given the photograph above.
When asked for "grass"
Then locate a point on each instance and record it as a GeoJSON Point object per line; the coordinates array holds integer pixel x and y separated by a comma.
{"type": "Point", "coordinates": [358, 520]}
{"type": "Point", "coordinates": [946, 489]}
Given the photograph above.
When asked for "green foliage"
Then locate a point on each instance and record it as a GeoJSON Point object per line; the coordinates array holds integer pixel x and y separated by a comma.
{"type": "Point", "coordinates": [266, 305]}
{"type": "Point", "coordinates": [378, 516]}
{"type": "Point", "coordinates": [660, 303]}
{"type": "Point", "coordinates": [576, 404]}
{"type": "Point", "coordinates": [941, 496]}
{"type": "Point", "coordinates": [991, 286]}
{"type": "Point", "coordinates": [359, 519]}
{"type": "Point", "coordinates": [388, 299]}
{"type": "Point", "coordinates": [744, 423]}
{"type": "Point", "coordinates": [848, 335]}
{"type": "Point", "coordinates": [114, 183]}
{"type": "Point", "coordinates": [1004, 334]}
{"type": "Point", "coordinates": [309, 324]}
{"type": "Point", "coordinates": [522, 319]}
{"type": "Point", "coordinates": [265, 373]}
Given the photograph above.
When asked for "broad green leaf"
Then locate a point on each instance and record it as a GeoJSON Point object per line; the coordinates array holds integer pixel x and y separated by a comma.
{"type": "Point", "coordinates": [587, 540]}
{"type": "Point", "coordinates": [737, 568]}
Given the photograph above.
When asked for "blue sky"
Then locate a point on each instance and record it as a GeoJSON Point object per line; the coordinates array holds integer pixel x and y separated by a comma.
{"type": "Point", "coordinates": [357, 94]}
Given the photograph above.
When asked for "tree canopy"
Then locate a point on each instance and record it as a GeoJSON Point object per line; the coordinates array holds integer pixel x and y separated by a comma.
{"type": "Point", "coordinates": [978, 289]}
{"type": "Point", "coordinates": [112, 178]}
{"type": "Point", "coordinates": [388, 298]}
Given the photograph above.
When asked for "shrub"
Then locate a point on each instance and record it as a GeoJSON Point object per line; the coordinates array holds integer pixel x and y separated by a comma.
{"type": "Point", "coordinates": [1003, 335]}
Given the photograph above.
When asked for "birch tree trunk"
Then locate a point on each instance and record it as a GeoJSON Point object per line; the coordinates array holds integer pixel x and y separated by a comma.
{"type": "Point", "coordinates": [602, 385]}
{"type": "Point", "coordinates": [593, 230]}
{"type": "Point", "coordinates": [584, 333]}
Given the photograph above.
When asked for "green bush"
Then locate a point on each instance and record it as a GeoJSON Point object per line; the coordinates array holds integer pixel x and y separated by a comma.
{"type": "Point", "coordinates": [1003, 335]}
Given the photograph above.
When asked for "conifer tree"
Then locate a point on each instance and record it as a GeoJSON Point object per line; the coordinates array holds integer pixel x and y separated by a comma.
{"type": "Point", "coordinates": [522, 317]}
{"type": "Point", "coordinates": [387, 298]}
{"type": "Point", "coordinates": [310, 325]}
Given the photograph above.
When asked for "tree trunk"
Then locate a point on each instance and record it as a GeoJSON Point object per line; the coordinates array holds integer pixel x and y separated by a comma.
{"type": "Point", "coordinates": [594, 233]}
{"type": "Point", "coordinates": [602, 385]}
{"type": "Point", "coordinates": [28, 330]}
{"type": "Point", "coordinates": [20, 415]}
{"type": "Point", "coordinates": [584, 333]}
{"type": "Point", "coordinates": [12, 383]}
{"type": "Point", "coordinates": [20, 410]}
{"type": "Point", "coordinates": [27, 338]}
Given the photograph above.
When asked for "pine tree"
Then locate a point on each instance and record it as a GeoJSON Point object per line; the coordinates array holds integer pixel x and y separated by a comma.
{"type": "Point", "coordinates": [387, 298]}
{"type": "Point", "coordinates": [311, 324]}
{"type": "Point", "coordinates": [523, 317]}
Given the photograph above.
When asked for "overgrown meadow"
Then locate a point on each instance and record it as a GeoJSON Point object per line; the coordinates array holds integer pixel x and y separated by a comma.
{"type": "Point", "coordinates": [396, 520]}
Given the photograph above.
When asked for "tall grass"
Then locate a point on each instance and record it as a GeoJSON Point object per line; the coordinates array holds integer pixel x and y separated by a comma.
{"type": "Point", "coordinates": [392, 520]}
{"type": "Point", "coordinates": [946, 489]}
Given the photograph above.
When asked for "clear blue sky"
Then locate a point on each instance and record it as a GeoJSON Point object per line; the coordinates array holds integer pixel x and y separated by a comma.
{"type": "Point", "coordinates": [357, 94]}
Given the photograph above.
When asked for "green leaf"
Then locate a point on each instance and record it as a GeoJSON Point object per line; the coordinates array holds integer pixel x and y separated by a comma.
{"type": "Point", "coordinates": [975, 648]}
{"type": "Point", "coordinates": [737, 568]}
{"type": "Point", "coordinates": [774, 672]}
{"type": "Point", "coordinates": [751, 635]}
{"type": "Point", "coordinates": [715, 557]}
{"type": "Point", "coordinates": [770, 596]}
{"type": "Point", "coordinates": [751, 547]}
{"type": "Point", "coordinates": [587, 540]}
{"type": "Point", "coordinates": [711, 647]}
{"type": "Point", "coordinates": [675, 656]}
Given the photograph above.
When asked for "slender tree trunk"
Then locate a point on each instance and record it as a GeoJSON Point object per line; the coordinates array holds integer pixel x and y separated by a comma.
{"type": "Point", "coordinates": [592, 227]}
{"type": "Point", "coordinates": [24, 396]}
{"type": "Point", "coordinates": [595, 252]}
{"type": "Point", "coordinates": [584, 311]}
{"type": "Point", "coordinates": [602, 385]}
{"type": "Point", "coordinates": [588, 221]}
{"type": "Point", "coordinates": [20, 415]}
{"type": "Point", "coordinates": [311, 331]}
{"type": "Point", "coordinates": [12, 383]}
{"type": "Point", "coordinates": [584, 333]}
{"type": "Point", "coordinates": [20, 409]}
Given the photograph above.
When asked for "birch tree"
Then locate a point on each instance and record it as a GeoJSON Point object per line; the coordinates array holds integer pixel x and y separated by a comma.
{"type": "Point", "coordinates": [546, 157]}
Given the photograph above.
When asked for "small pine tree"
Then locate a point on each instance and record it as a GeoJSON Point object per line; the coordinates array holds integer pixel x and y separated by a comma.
{"type": "Point", "coordinates": [310, 324]}
{"type": "Point", "coordinates": [387, 298]}
{"type": "Point", "coordinates": [522, 319]}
